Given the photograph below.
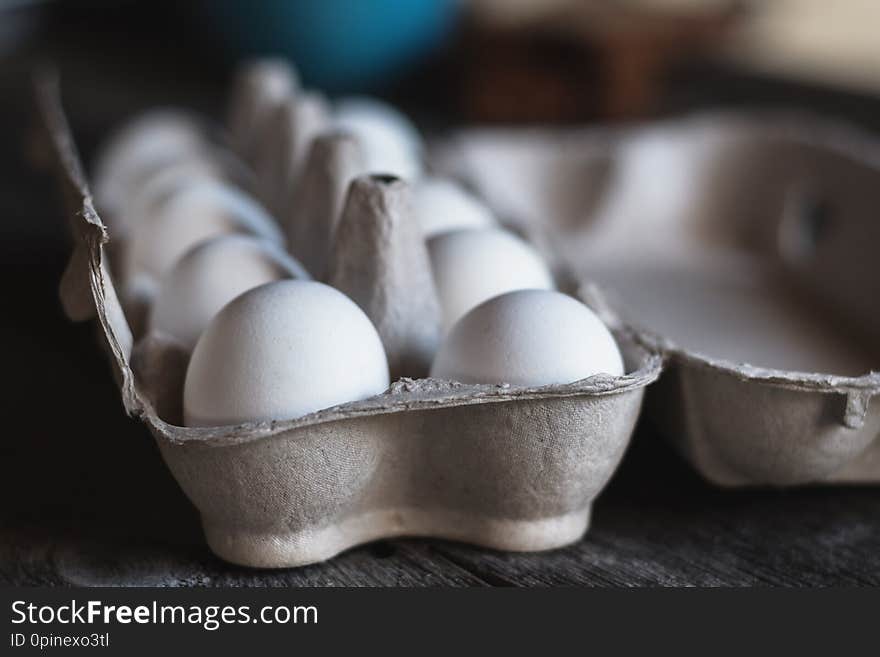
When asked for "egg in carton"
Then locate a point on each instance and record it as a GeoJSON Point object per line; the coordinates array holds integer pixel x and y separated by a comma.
{"type": "Point", "coordinates": [497, 465]}
{"type": "Point", "coordinates": [743, 248]}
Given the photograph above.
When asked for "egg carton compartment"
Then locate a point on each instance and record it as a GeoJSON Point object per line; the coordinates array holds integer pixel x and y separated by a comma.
{"type": "Point", "coordinates": [508, 467]}
{"type": "Point", "coordinates": [744, 248]}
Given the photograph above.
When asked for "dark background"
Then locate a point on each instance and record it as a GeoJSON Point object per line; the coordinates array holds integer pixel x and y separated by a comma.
{"type": "Point", "coordinates": [85, 497]}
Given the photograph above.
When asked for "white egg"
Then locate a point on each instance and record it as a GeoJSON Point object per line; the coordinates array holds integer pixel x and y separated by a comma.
{"type": "Point", "coordinates": [155, 189]}
{"type": "Point", "coordinates": [280, 351]}
{"type": "Point", "coordinates": [144, 144]}
{"type": "Point", "coordinates": [209, 276]}
{"type": "Point", "coordinates": [441, 205]}
{"type": "Point", "coordinates": [390, 141]}
{"type": "Point", "coordinates": [528, 338]}
{"type": "Point", "coordinates": [471, 266]}
{"type": "Point", "coordinates": [188, 216]}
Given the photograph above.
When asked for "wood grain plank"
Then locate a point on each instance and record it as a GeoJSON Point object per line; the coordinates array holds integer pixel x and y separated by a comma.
{"type": "Point", "coordinates": [36, 557]}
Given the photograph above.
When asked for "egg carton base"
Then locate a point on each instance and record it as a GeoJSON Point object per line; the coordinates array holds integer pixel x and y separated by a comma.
{"type": "Point", "coordinates": [279, 549]}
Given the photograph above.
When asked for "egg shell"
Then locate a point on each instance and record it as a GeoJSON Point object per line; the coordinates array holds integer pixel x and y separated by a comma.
{"type": "Point", "coordinates": [392, 145]}
{"type": "Point", "coordinates": [471, 266]}
{"type": "Point", "coordinates": [283, 350]}
{"type": "Point", "coordinates": [209, 276]}
{"type": "Point", "coordinates": [528, 338]}
{"type": "Point", "coordinates": [442, 205]}
{"type": "Point", "coordinates": [192, 214]}
{"type": "Point", "coordinates": [156, 187]}
{"type": "Point", "coordinates": [150, 140]}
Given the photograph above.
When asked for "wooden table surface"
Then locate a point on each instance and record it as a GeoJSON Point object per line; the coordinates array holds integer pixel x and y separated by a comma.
{"type": "Point", "coordinates": [86, 499]}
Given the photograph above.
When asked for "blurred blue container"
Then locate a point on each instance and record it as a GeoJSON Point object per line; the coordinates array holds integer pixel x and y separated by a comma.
{"type": "Point", "coordinates": [338, 45]}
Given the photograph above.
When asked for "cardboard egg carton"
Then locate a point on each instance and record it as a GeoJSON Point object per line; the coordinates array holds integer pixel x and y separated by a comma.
{"type": "Point", "coordinates": [506, 467]}
{"type": "Point", "coordinates": [734, 254]}
{"type": "Point", "coordinates": [743, 248]}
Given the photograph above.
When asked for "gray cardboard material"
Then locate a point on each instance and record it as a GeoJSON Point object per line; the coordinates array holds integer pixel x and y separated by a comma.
{"type": "Point", "coordinates": [744, 249]}
{"type": "Point", "coordinates": [379, 259]}
{"type": "Point", "coordinates": [259, 86]}
{"type": "Point", "coordinates": [510, 468]}
{"type": "Point", "coordinates": [312, 216]}
{"type": "Point", "coordinates": [284, 146]}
